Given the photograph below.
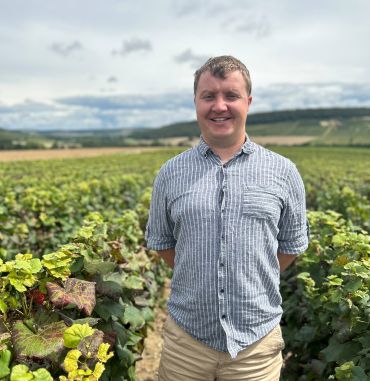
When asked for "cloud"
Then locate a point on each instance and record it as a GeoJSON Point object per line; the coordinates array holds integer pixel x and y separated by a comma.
{"type": "Point", "coordinates": [258, 27]}
{"type": "Point", "coordinates": [64, 49]}
{"type": "Point", "coordinates": [133, 45]}
{"type": "Point", "coordinates": [112, 79]}
{"type": "Point", "coordinates": [186, 8]}
{"type": "Point", "coordinates": [255, 25]}
{"type": "Point", "coordinates": [312, 95]}
{"type": "Point", "coordinates": [170, 101]}
{"type": "Point", "coordinates": [187, 56]}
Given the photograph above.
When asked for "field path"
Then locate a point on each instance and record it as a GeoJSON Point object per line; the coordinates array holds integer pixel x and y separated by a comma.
{"type": "Point", "coordinates": [147, 368]}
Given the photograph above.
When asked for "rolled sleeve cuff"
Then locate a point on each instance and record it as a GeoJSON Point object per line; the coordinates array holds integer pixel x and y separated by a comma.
{"type": "Point", "coordinates": [162, 243]}
{"type": "Point", "coordinates": [297, 246]}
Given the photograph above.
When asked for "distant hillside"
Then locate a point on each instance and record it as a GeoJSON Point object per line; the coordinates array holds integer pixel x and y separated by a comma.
{"type": "Point", "coordinates": [22, 140]}
{"type": "Point", "coordinates": [325, 126]}
{"type": "Point", "coordinates": [335, 126]}
{"type": "Point", "coordinates": [10, 140]}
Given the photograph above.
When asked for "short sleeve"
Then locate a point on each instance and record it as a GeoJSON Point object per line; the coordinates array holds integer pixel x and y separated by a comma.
{"type": "Point", "coordinates": [293, 234]}
{"type": "Point", "coordinates": [159, 229]}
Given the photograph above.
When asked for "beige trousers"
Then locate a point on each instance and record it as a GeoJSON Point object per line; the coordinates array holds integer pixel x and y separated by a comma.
{"type": "Point", "coordinates": [186, 359]}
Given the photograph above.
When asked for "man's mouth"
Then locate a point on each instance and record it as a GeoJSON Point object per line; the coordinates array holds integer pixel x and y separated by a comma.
{"type": "Point", "coordinates": [219, 119]}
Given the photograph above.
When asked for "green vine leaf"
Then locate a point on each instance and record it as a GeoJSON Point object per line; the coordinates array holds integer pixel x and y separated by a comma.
{"type": "Point", "coordinates": [103, 354]}
{"type": "Point", "coordinates": [71, 361]}
{"type": "Point", "coordinates": [22, 373]}
{"type": "Point", "coordinates": [74, 334]}
{"type": "Point", "coordinates": [5, 356]}
{"type": "Point", "coordinates": [21, 272]}
{"type": "Point", "coordinates": [58, 263]}
{"type": "Point", "coordinates": [133, 316]}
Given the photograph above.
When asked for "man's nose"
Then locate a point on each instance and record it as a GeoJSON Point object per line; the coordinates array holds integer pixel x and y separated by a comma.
{"type": "Point", "coordinates": [219, 105]}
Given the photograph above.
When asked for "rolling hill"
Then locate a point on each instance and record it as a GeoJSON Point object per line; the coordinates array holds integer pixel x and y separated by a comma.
{"type": "Point", "coordinates": [334, 126]}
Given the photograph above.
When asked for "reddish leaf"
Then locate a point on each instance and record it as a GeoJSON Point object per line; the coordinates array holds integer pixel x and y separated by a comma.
{"type": "Point", "coordinates": [76, 291]}
{"type": "Point", "coordinates": [37, 296]}
{"type": "Point", "coordinates": [47, 343]}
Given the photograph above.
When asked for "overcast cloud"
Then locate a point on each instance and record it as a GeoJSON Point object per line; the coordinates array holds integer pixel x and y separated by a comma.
{"type": "Point", "coordinates": [91, 64]}
{"type": "Point", "coordinates": [65, 49]}
{"type": "Point", "coordinates": [133, 45]}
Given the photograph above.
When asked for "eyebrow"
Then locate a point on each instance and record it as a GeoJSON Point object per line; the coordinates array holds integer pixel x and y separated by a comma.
{"type": "Point", "coordinates": [234, 91]}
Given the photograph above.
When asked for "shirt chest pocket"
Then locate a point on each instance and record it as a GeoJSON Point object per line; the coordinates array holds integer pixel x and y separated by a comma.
{"type": "Point", "coordinates": [262, 202]}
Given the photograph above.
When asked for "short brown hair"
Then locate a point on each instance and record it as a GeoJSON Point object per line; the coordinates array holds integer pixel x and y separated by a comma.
{"type": "Point", "coordinates": [222, 65]}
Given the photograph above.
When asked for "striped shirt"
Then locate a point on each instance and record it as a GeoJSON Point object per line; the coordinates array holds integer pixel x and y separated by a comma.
{"type": "Point", "coordinates": [227, 222]}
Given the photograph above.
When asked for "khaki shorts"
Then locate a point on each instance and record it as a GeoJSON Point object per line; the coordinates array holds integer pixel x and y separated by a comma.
{"type": "Point", "coordinates": [186, 359]}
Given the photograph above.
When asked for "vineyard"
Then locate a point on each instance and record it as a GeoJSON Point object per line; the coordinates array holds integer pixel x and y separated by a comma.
{"type": "Point", "coordinates": [78, 287]}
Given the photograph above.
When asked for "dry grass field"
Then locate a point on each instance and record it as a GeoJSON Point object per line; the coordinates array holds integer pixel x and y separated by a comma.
{"type": "Point", "coordinates": [90, 152]}
{"type": "Point", "coordinates": [69, 153]}
{"type": "Point", "coordinates": [280, 140]}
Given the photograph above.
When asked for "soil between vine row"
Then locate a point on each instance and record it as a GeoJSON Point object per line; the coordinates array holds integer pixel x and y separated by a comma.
{"type": "Point", "coordinates": [147, 367]}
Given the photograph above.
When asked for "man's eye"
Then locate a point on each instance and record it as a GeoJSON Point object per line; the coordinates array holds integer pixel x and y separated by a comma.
{"type": "Point", "coordinates": [207, 97]}
{"type": "Point", "coordinates": [232, 96]}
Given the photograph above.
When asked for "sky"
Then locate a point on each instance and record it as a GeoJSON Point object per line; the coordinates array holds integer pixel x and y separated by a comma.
{"type": "Point", "coordinates": [89, 64]}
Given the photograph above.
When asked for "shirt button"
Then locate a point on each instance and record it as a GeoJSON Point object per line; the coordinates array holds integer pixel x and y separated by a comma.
{"type": "Point", "coordinates": [222, 290]}
{"type": "Point", "coordinates": [222, 265]}
{"type": "Point", "coordinates": [223, 316]}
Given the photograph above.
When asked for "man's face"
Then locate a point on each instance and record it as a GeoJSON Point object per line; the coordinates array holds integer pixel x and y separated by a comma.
{"type": "Point", "coordinates": [222, 106]}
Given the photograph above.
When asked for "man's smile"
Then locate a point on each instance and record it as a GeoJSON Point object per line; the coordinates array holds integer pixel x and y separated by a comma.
{"type": "Point", "coordinates": [220, 119]}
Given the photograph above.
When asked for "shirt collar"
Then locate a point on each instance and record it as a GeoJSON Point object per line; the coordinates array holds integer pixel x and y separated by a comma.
{"type": "Point", "coordinates": [247, 148]}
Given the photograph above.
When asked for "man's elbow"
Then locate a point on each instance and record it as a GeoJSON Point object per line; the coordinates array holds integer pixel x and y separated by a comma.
{"type": "Point", "coordinates": [168, 255]}
{"type": "Point", "coordinates": [285, 260]}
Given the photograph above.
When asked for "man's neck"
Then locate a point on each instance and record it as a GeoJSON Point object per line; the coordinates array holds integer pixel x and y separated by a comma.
{"type": "Point", "coordinates": [224, 151]}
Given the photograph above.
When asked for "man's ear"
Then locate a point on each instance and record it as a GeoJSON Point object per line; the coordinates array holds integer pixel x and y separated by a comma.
{"type": "Point", "coordinates": [249, 100]}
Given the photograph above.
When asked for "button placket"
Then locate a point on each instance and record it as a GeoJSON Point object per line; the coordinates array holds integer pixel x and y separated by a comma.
{"type": "Point", "coordinates": [222, 258]}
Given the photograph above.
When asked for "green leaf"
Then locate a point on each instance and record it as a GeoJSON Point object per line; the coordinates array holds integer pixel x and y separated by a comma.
{"type": "Point", "coordinates": [58, 263]}
{"type": "Point", "coordinates": [133, 317]}
{"type": "Point", "coordinates": [134, 338]}
{"type": "Point", "coordinates": [71, 361]}
{"type": "Point", "coordinates": [338, 352]}
{"type": "Point", "coordinates": [106, 309]}
{"type": "Point", "coordinates": [133, 282]}
{"type": "Point", "coordinates": [5, 356]}
{"type": "Point", "coordinates": [42, 375]}
{"type": "Point", "coordinates": [94, 266]}
{"type": "Point", "coordinates": [35, 265]}
{"type": "Point", "coordinates": [77, 265]}
{"type": "Point", "coordinates": [358, 374]}
{"type": "Point", "coordinates": [334, 280]}
{"type": "Point", "coordinates": [103, 354]}
{"type": "Point", "coordinates": [348, 371]}
{"type": "Point", "coordinates": [353, 285]}
{"type": "Point", "coordinates": [339, 240]}
{"type": "Point", "coordinates": [74, 334]}
{"type": "Point", "coordinates": [148, 314]}
{"type": "Point", "coordinates": [21, 373]}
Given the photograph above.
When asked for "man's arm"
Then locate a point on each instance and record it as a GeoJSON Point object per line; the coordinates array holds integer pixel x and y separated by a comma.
{"type": "Point", "coordinates": [168, 256]}
{"type": "Point", "coordinates": [285, 260]}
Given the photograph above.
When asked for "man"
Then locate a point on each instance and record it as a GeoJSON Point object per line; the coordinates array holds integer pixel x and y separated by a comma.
{"type": "Point", "coordinates": [227, 216]}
